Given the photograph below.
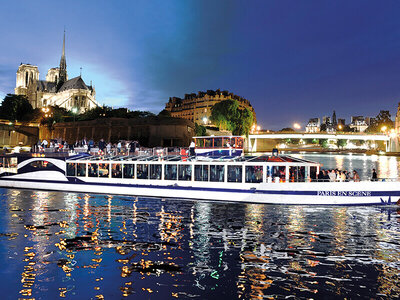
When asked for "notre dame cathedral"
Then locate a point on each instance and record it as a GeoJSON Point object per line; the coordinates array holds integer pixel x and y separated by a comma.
{"type": "Point", "coordinates": [56, 89]}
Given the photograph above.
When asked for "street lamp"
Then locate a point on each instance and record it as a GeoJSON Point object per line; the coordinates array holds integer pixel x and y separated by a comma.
{"type": "Point", "coordinates": [205, 120]}
{"type": "Point", "coordinates": [296, 126]}
{"type": "Point", "coordinates": [383, 129]}
{"type": "Point", "coordinates": [74, 111]}
{"type": "Point", "coordinates": [46, 111]}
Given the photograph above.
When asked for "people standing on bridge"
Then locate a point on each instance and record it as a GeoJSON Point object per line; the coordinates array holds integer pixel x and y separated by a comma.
{"type": "Point", "coordinates": [374, 175]}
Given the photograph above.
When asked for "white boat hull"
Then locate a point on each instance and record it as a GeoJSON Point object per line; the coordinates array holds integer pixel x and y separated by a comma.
{"type": "Point", "coordinates": [307, 193]}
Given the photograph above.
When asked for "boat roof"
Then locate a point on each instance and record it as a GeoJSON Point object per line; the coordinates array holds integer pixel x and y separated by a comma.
{"type": "Point", "coordinates": [178, 158]}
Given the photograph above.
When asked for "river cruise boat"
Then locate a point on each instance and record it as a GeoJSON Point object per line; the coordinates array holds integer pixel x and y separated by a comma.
{"type": "Point", "coordinates": [268, 179]}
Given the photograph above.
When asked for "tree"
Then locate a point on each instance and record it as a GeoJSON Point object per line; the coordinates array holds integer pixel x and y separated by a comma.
{"type": "Point", "coordinates": [228, 116]}
{"type": "Point", "coordinates": [164, 114]}
{"type": "Point", "coordinates": [323, 143]}
{"type": "Point", "coordinates": [199, 130]}
{"type": "Point", "coordinates": [341, 143]}
{"type": "Point", "coordinates": [244, 122]}
{"type": "Point", "coordinates": [16, 107]}
{"type": "Point", "coordinates": [225, 113]}
{"type": "Point", "coordinates": [288, 141]}
{"type": "Point", "coordinates": [382, 120]}
{"type": "Point", "coordinates": [287, 129]}
{"type": "Point", "coordinates": [57, 115]}
{"type": "Point", "coordinates": [96, 113]}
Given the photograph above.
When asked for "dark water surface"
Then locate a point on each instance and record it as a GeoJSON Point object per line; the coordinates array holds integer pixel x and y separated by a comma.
{"type": "Point", "coordinates": [67, 245]}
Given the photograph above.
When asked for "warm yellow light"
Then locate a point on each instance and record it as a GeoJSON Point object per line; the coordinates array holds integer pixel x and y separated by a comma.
{"type": "Point", "coordinates": [258, 128]}
{"type": "Point", "coordinates": [296, 126]}
{"type": "Point", "coordinates": [383, 128]}
{"type": "Point", "coordinates": [340, 126]}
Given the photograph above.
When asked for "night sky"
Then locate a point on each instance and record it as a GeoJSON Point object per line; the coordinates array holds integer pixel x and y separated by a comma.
{"type": "Point", "coordinates": [293, 60]}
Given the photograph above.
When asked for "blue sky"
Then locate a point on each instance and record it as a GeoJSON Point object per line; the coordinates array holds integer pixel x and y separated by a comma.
{"type": "Point", "coordinates": [293, 60]}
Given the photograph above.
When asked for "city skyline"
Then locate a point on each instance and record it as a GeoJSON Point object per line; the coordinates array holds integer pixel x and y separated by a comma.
{"type": "Point", "coordinates": [292, 60]}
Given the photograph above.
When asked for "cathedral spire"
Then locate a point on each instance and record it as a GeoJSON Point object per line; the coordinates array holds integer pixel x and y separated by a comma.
{"type": "Point", "coordinates": [63, 65]}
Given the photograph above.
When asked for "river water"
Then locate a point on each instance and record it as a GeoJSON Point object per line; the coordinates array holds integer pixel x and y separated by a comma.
{"type": "Point", "coordinates": [79, 246]}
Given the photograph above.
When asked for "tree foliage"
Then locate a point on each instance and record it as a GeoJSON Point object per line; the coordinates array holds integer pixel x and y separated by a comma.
{"type": "Point", "coordinates": [228, 116]}
{"type": "Point", "coordinates": [199, 130]}
{"type": "Point", "coordinates": [341, 143]}
{"type": "Point", "coordinates": [16, 107]}
{"type": "Point", "coordinates": [164, 114]}
{"type": "Point", "coordinates": [287, 129]}
{"type": "Point", "coordinates": [57, 115]}
{"type": "Point", "coordinates": [381, 120]}
{"type": "Point", "coordinates": [108, 112]}
{"type": "Point", "coordinates": [323, 143]}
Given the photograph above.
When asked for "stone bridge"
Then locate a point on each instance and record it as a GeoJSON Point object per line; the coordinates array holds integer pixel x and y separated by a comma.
{"type": "Point", "coordinates": [391, 141]}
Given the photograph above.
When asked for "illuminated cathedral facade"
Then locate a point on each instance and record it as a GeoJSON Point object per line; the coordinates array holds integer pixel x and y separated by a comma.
{"type": "Point", "coordinates": [72, 94]}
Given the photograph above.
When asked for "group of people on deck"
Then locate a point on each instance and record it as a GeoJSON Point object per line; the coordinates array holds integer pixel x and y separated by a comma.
{"type": "Point", "coordinates": [336, 175]}
{"type": "Point", "coordinates": [122, 147]}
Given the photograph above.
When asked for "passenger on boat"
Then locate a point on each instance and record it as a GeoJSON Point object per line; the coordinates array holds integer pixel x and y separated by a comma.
{"type": "Point", "coordinates": [374, 175]}
{"type": "Point", "coordinates": [332, 176]}
{"type": "Point", "coordinates": [191, 148]}
{"type": "Point", "coordinates": [356, 177]}
{"type": "Point", "coordinates": [102, 145]}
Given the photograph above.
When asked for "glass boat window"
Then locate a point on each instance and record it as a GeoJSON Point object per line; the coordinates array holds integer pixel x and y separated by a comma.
{"type": "Point", "coordinates": [216, 173]}
{"type": "Point", "coordinates": [10, 162]}
{"type": "Point", "coordinates": [41, 164]}
{"type": "Point", "coordinates": [208, 143]}
{"type": "Point", "coordinates": [254, 174]}
{"type": "Point", "coordinates": [155, 171]}
{"type": "Point", "coordinates": [170, 172]}
{"type": "Point", "coordinates": [142, 171]}
{"type": "Point", "coordinates": [81, 169]}
{"type": "Point", "coordinates": [227, 142]}
{"type": "Point", "coordinates": [185, 172]}
{"type": "Point", "coordinates": [93, 170]}
{"type": "Point", "coordinates": [71, 169]}
{"type": "Point", "coordinates": [104, 170]}
{"type": "Point", "coordinates": [217, 142]}
{"type": "Point", "coordinates": [235, 173]}
{"type": "Point", "coordinates": [279, 173]}
{"type": "Point", "coordinates": [116, 171]}
{"type": "Point", "coordinates": [129, 170]}
{"type": "Point", "coordinates": [313, 173]}
{"type": "Point", "coordinates": [199, 143]}
{"type": "Point", "coordinates": [201, 172]}
{"type": "Point", "coordinates": [239, 143]}
{"type": "Point", "coordinates": [296, 174]}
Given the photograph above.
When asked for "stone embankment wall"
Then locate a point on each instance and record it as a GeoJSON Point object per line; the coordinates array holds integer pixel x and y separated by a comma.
{"type": "Point", "coordinates": [14, 135]}
{"type": "Point", "coordinates": [150, 132]}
